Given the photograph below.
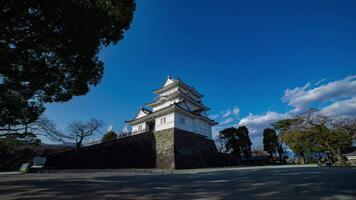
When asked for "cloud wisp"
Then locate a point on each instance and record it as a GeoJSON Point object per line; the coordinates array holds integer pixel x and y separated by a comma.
{"type": "Point", "coordinates": [301, 98]}
{"type": "Point", "coordinates": [226, 118]}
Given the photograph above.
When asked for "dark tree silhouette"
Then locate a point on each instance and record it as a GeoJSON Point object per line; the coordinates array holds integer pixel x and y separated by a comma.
{"type": "Point", "coordinates": [270, 141]}
{"type": "Point", "coordinates": [245, 142]}
{"type": "Point", "coordinates": [49, 52]}
{"type": "Point", "coordinates": [231, 142]}
{"type": "Point", "coordinates": [236, 141]}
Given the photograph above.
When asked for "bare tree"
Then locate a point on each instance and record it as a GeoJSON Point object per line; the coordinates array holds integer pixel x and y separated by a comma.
{"type": "Point", "coordinates": [43, 127]}
{"type": "Point", "coordinates": [346, 124]}
{"type": "Point", "coordinates": [79, 131]}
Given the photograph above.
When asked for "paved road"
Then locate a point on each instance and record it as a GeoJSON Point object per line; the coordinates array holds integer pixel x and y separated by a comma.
{"type": "Point", "coordinates": [257, 183]}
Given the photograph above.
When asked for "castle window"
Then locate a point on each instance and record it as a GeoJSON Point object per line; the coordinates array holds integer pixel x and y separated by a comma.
{"type": "Point", "coordinates": [182, 120]}
{"type": "Point", "coordinates": [163, 120]}
{"type": "Point", "coordinates": [140, 127]}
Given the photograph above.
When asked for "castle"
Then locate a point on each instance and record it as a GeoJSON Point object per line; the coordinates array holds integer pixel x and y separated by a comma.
{"type": "Point", "coordinates": [177, 106]}
{"type": "Point", "coordinates": [175, 133]}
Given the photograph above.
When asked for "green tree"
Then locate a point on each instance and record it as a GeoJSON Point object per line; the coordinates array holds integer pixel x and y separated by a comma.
{"type": "Point", "coordinates": [300, 143]}
{"type": "Point", "coordinates": [109, 136]}
{"type": "Point", "coordinates": [312, 132]}
{"type": "Point", "coordinates": [49, 52]}
{"type": "Point", "coordinates": [270, 141]}
{"type": "Point", "coordinates": [281, 127]}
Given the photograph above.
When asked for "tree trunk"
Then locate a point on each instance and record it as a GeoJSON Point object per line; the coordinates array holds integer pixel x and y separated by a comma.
{"type": "Point", "coordinates": [270, 157]}
{"type": "Point", "coordinates": [302, 158]}
{"type": "Point", "coordinates": [79, 143]}
{"type": "Point", "coordinates": [340, 159]}
{"type": "Point", "coordinates": [280, 153]}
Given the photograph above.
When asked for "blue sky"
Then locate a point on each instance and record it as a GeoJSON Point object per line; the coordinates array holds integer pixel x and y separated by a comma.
{"type": "Point", "coordinates": [251, 59]}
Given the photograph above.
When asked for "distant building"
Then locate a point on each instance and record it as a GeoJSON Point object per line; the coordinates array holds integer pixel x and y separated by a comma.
{"type": "Point", "coordinates": [351, 157]}
{"type": "Point", "coordinates": [177, 106]}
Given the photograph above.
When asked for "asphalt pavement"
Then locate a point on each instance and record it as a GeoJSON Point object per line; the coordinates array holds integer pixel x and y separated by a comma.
{"type": "Point", "coordinates": [240, 183]}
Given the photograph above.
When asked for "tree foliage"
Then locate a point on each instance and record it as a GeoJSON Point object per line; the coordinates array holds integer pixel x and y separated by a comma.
{"type": "Point", "coordinates": [109, 136]}
{"type": "Point", "coordinates": [270, 141]}
{"type": "Point", "coordinates": [245, 141]}
{"type": "Point", "coordinates": [281, 127]}
{"type": "Point", "coordinates": [312, 132]}
{"type": "Point", "coordinates": [236, 141]}
{"type": "Point", "coordinates": [12, 143]}
{"type": "Point", "coordinates": [49, 52]}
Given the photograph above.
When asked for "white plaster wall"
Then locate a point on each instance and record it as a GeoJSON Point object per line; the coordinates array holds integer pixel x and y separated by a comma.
{"type": "Point", "coordinates": [166, 104]}
{"type": "Point", "coordinates": [169, 122]}
{"type": "Point", "coordinates": [140, 114]}
{"type": "Point", "coordinates": [194, 125]}
{"type": "Point", "coordinates": [187, 126]}
{"type": "Point", "coordinates": [135, 128]}
{"type": "Point", "coordinates": [204, 128]}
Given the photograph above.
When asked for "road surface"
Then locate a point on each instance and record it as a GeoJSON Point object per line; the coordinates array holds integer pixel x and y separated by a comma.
{"type": "Point", "coordinates": [254, 183]}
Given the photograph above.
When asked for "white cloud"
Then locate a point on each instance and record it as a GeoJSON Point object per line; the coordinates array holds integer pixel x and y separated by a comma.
{"type": "Point", "coordinates": [226, 118]}
{"type": "Point", "coordinates": [226, 114]}
{"type": "Point", "coordinates": [213, 116]}
{"type": "Point", "coordinates": [343, 108]}
{"type": "Point", "coordinates": [109, 128]}
{"type": "Point", "coordinates": [226, 121]}
{"type": "Point", "coordinates": [319, 82]}
{"type": "Point", "coordinates": [333, 98]}
{"type": "Point", "coordinates": [256, 123]}
{"type": "Point", "coordinates": [235, 111]}
{"type": "Point", "coordinates": [301, 98]}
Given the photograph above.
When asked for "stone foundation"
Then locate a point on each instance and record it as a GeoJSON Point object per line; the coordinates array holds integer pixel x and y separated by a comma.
{"type": "Point", "coordinates": [164, 145]}
{"type": "Point", "coordinates": [166, 149]}
{"type": "Point", "coordinates": [136, 151]}
{"type": "Point", "coordinates": [178, 149]}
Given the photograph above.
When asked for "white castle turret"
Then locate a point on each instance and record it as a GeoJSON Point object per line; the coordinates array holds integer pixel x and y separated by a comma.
{"type": "Point", "coordinates": [179, 106]}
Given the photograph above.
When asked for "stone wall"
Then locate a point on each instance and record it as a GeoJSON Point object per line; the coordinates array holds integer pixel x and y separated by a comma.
{"type": "Point", "coordinates": [136, 151]}
{"type": "Point", "coordinates": [195, 151]}
{"type": "Point", "coordinates": [164, 145]}
{"type": "Point", "coordinates": [166, 149]}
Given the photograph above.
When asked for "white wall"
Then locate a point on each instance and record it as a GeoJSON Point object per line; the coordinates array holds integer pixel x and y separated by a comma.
{"type": "Point", "coordinates": [188, 124]}
{"type": "Point", "coordinates": [194, 125]}
{"type": "Point", "coordinates": [140, 114]}
{"type": "Point", "coordinates": [173, 120]}
{"type": "Point", "coordinates": [135, 128]}
{"type": "Point", "coordinates": [167, 125]}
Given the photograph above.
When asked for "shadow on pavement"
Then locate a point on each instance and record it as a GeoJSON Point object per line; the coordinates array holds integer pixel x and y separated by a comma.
{"type": "Point", "coordinates": [298, 183]}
